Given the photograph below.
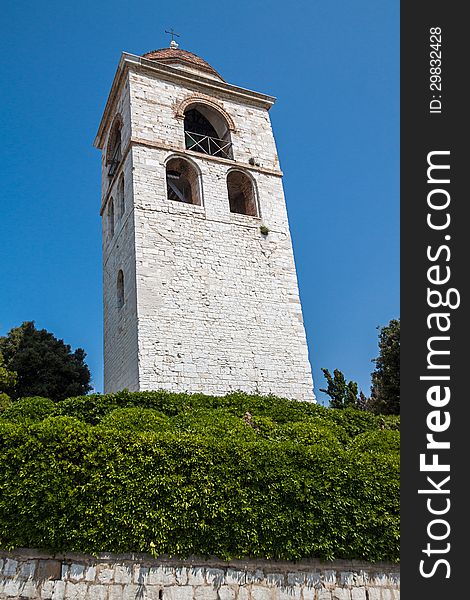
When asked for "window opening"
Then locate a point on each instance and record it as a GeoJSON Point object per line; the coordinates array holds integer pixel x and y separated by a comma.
{"type": "Point", "coordinates": [114, 149]}
{"type": "Point", "coordinates": [206, 131]}
{"type": "Point", "coordinates": [182, 182]}
{"type": "Point", "coordinates": [111, 218]}
{"type": "Point", "coordinates": [121, 201]}
{"type": "Point", "coordinates": [120, 289]}
{"type": "Point", "coordinates": [241, 194]}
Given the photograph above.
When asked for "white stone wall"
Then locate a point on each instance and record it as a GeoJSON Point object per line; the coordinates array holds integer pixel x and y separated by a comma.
{"type": "Point", "coordinates": [120, 324]}
{"type": "Point", "coordinates": [154, 103]}
{"type": "Point", "coordinates": [217, 307]}
{"type": "Point", "coordinates": [29, 574]}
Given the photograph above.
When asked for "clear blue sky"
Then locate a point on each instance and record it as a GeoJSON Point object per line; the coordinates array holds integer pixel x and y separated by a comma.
{"type": "Point", "coordinates": [334, 67]}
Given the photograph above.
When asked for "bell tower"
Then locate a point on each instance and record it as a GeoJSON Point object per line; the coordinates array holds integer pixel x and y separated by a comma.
{"type": "Point", "coordinates": [199, 281]}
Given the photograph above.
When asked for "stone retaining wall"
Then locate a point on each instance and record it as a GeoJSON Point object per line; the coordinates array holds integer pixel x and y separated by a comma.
{"type": "Point", "coordinates": [28, 574]}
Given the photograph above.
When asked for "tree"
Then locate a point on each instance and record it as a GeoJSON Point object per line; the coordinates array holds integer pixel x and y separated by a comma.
{"type": "Point", "coordinates": [362, 401]}
{"type": "Point", "coordinates": [385, 389]}
{"type": "Point", "coordinates": [7, 378]}
{"type": "Point", "coordinates": [45, 366]}
{"type": "Point", "coordinates": [7, 382]}
{"type": "Point", "coordinates": [342, 394]}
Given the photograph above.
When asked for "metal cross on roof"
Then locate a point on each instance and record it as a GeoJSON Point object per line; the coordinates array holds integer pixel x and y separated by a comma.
{"type": "Point", "coordinates": [173, 34]}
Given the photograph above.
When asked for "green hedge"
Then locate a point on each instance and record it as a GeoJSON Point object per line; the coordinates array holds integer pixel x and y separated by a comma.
{"type": "Point", "coordinates": [184, 474]}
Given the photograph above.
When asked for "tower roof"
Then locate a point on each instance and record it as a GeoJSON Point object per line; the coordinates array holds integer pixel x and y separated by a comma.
{"type": "Point", "coordinates": [176, 56]}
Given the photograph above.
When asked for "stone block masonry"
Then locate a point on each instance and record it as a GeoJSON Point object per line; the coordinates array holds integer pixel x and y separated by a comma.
{"type": "Point", "coordinates": [29, 574]}
{"type": "Point", "coordinates": [210, 303]}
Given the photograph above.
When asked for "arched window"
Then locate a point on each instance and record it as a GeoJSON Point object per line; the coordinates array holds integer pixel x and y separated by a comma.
{"type": "Point", "coordinates": [110, 218]}
{"type": "Point", "coordinates": [120, 198]}
{"type": "Point", "coordinates": [241, 194]}
{"type": "Point", "coordinates": [120, 289]}
{"type": "Point", "coordinates": [182, 181]}
{"type": "Point", "coordinates": [207, 131]}
{"type": "Point", "coordinates": [113, 151]}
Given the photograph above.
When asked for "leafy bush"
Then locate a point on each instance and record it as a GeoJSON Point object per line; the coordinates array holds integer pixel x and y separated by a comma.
{"type": "Point", "coordinates": [391, 422]}
{"type": "Point", "coordinates": [94, 407]}
{"type": "Point", "coordinates": [30, 409]}
{"type": "Point", "coordinates": [386, 441]}
{"type": "Point", "coordinates": [213, 423]}
{"type": "Point", "coordinates": [135, 419]}
{"type": "Point", "coordinates": [356, 421]}
{"type": "Point", "coordinates": [311, 433]}
{"type": "Point", "coordinates": [185, 474]}
{"type": "Point", "coordinates": [5, 401]}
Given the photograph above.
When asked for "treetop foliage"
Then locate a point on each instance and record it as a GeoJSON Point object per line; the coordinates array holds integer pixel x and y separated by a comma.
{"type": "Point", "coordinates": [385, 390]}
{"type": "Point", "coordinates": [44, 365]}
{"type": "Point", "coordinates": [342, 394]}
{"type": "Point", "coordinates": [7, 382]}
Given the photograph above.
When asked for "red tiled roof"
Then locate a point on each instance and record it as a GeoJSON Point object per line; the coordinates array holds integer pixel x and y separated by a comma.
{"type": "Point", "coordinates": [172, 55]}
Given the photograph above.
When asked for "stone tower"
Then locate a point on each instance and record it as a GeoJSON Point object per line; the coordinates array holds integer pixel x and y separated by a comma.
{"type": "Point", "coordinates": [200, 287]}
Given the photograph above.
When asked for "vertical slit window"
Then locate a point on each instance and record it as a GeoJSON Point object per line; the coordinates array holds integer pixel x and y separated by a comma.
{"type": "Point", "coordinates": [120, 289]}
{"type": "Point", "coordinates": [113, 154]}
{"type": "Point", "coordinates": [121, 199]}
{"type": "Point", "coordinates": [110, 218]}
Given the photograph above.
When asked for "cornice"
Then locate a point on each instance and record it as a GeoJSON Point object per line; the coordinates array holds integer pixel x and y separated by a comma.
{"type": "Point", "coordinates": [161, 71]}
{"type": "Point", "coordinates": [226, 161]}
